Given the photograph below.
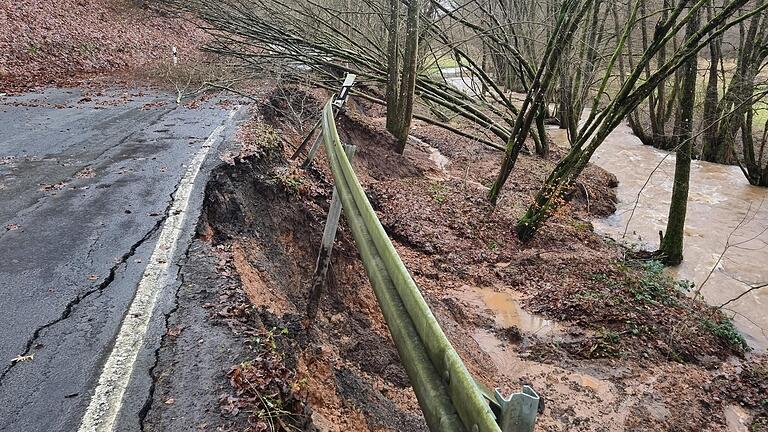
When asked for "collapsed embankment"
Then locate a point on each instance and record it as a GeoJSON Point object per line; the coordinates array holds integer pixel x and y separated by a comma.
{"type": "Point", "coordinates": [612, 344]}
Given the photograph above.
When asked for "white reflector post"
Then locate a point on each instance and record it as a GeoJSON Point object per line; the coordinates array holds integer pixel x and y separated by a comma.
{"type": "Point", "coordinates": [349, 82]}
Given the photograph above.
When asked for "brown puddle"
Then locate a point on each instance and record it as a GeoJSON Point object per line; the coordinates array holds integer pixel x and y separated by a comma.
{"type": "Point", "coordinates": [506, 310]}
{"type": "Point", "coordinates": [579, 394]}
{"type": "Point", "coordinates": [720, 198]}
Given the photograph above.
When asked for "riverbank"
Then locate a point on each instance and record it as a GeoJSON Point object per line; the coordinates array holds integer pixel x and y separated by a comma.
{"type": "Point", "coordinates": [610, 343]}
{"type": "Point", "coordinates": [725, 226]}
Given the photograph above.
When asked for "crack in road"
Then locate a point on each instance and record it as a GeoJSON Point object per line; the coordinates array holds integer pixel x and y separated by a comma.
{"type": "Point", "coordinates": [89, 255]}
{"type": "Point", "coordinates": [98, 289]}
{"type": "Point", "coordinates": [156, 355]}
{"type": "Point", "coordinates": [107, 401]}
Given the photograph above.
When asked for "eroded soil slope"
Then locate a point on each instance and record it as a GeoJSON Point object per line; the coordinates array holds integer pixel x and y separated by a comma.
{"type": "Point", "coordinates": [611, 343]}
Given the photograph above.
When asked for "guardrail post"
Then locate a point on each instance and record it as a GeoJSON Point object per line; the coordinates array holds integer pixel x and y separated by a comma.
{"type": "Point", "coordinates": [518, 411]}
{"type": "Point", "coordinates": [326, 247]}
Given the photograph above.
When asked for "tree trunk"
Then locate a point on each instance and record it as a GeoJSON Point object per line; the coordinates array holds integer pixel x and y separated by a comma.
{"type": "Point", "coordinates": [601, 123]}
{"type": "Point", "coordinates": [671, 249]}
{"type": "Point", "coordinates": [570, 16]}
{"type": "Point", "coordinates": [710, 114]}
{"type": "Point", "coordinates": [540, 138]}
{"type": "Point", "coordinates": [732, 107]}
{"type": "Point", "coordinates": [408, 81]}
{"type": "Point", "coordinates": [393, 65]}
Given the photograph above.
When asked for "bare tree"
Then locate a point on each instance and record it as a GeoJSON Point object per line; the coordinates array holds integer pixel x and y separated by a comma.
{"type": "Point", "coordinates": [393, 64]}
{"type": "Point", "coordinates": [569, 16]}
{"type": "Point", "coordinates": [671, 248]}
{"type": "Point", "coordinates": [400, 114]}
{"type": "Point", "coordinates": [633, 91]}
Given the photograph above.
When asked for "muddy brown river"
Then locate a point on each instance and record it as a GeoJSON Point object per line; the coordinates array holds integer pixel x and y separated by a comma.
{"type": "Point", "coordinates": [726, 243]}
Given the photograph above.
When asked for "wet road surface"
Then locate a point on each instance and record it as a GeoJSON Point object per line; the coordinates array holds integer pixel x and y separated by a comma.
{"type": "Point", "coordinates": [87, 185]}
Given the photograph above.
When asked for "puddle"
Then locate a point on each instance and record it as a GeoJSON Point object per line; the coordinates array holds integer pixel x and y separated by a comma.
{"type": "Point", "coordinates": [506, 310]}
{"type": "Point", "coordinates": [582, 395]}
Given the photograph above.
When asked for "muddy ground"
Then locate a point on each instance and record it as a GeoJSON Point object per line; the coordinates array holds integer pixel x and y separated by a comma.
{"type": "Point", "coordinates": [609, 342]}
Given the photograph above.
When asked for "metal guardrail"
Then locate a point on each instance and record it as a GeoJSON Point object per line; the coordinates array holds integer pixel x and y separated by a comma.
{"type": "Point", "coordinates": [449, 397]}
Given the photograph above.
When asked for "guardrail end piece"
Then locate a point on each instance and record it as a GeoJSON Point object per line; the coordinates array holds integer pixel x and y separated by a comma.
{"type": "Point", "coordinates": [518, 411]}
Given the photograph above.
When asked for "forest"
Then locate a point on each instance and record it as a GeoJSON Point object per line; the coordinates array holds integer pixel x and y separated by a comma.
{"type": "Point", "coordinates": [516, 103]}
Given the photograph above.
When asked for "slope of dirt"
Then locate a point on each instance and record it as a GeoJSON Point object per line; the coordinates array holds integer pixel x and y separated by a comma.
{"type": "Point", "coordinates": [46, 42]}
{"type": "Point", "coordinates": [611, 344]}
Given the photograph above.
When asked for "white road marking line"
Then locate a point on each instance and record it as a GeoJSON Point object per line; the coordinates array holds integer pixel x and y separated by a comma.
{"type": "Point", "coordinates": [108, 397]}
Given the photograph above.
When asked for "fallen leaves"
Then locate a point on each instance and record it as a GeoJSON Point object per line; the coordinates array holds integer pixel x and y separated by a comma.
{"type": "Point", "coordinates": [50, 187]}
{"type": "Point", "coordinates": [46, 44]}
{"type": "Point", "coordinates": [22, 358]}
{"type": "Point", "coordinates": [175, 331]}
{"type": "Point", "coordinates": [266, 388]}
{"type": "Point", "coordinates": [86, 172]}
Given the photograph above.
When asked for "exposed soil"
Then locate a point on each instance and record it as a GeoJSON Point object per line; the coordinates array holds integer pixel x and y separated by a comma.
{"type": "Point", "coordinates": [611, 344]}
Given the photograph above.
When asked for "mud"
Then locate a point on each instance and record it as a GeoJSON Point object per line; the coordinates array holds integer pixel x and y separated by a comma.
{"type": "Point", "coordinates": [609, 343]}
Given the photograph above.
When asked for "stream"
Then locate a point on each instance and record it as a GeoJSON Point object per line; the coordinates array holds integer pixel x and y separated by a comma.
{"type": "Point", "coordinates": [726, 252]}
{"type": "Point", "coordinates": [726, 243]}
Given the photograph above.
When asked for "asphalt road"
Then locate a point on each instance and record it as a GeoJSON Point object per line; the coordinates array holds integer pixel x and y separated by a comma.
{"type": "Point", "coordinates": [87, 183]}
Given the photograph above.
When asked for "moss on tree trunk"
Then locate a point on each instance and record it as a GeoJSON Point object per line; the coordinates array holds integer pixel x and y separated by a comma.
{"type": "Point", "coordinates": [671, 248]}
{"type": "Point", "coordinates": [408, 81]}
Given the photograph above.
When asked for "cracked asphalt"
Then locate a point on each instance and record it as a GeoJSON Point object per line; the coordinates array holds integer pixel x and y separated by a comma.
{"type": "Point", "coordinates": [86, 181]}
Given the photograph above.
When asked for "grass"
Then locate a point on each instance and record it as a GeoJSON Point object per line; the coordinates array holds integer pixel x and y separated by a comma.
{"type": "Point", "coordinates": [606, 344]}
{"type": "Point", "coordinates": [650, 287]}
{"type": "Point", "coordinates": [581, 226]}
{"type": "Point", "coordinates": [433, 64]}
{"type": "Point", "coordinates": [33, 50]}
{"type": "Point", "coordinates": [761, 114]}
{"type": "Point", "coordinates": [653, 286]}
{"type": "Point", "coordinates": [292, 183]}
{"type": "Point", "coordinates": [759, 425]}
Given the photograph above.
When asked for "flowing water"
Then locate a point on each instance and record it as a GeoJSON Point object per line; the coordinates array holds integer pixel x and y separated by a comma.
{"type": "Point", "coordinates": [726, 243]}
{"type": "Point", "coordinates": [726, 251]}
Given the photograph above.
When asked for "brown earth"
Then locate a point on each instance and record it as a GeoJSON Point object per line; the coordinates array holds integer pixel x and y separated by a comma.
{"type": "Point", "coordinates": [46, 42]}
{"type": "Point", "coordinates": [611, 343]}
